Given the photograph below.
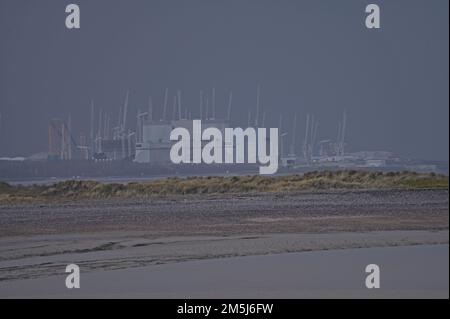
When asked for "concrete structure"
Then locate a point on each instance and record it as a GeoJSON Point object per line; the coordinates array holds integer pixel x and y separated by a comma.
{"type": "Point", "coordinates": [156, 144]}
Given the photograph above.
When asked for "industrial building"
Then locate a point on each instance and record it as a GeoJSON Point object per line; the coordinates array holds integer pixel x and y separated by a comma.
{"type": "Point", "coordinates": [155, 145]}
{"type": "Point", "coordinates": [112, 138]}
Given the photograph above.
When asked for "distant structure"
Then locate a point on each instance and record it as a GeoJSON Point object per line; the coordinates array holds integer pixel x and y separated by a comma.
{"type": "Point", "coordinates": [83, 147]}
{"type": "Point", "coordinates": [112, 143]}
{"type": "Point", "coordinates": [60, 140]}
{"type": "Point", "coordinates": [112, 138]}
{"type": "Point", "coordinates": [153, 144]}
{"type": "Point", "coordinates": [313, 151]}
{"type": "Point", "coordinates": [149, 141]}
{"type": "Point", "coordinates": [340, 141]}
{"type": "Point", "coordinates": [309, 141]}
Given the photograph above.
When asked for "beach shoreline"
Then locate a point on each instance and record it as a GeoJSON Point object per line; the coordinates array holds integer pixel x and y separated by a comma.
{"type": "Point", "coordinates": [38, 241]}
{"type": "Point", "coordinates": [313, 274]}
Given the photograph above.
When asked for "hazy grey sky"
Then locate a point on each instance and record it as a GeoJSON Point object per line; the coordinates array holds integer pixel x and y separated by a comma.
{"type": "Point", "coordinates": [311, 56]}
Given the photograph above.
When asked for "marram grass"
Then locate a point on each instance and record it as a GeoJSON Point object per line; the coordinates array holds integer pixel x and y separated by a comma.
{"type": "Point", "coordinates": [317, 180]}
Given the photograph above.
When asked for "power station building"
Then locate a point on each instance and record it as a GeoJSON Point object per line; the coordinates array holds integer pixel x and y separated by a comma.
{"type": "Point", "coordinates": [155, 144]}
{"type": "Point", "coordinates": [154, 148]}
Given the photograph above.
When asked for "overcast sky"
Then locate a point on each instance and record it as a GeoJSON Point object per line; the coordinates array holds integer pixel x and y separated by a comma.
{"type": "Point", "coordinates": [311, 56]}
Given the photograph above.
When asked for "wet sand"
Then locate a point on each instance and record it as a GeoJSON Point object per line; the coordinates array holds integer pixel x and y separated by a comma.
{"type": "Point", "coordinates": [37, 241]}
{"type": "Point", "coordinates": [43, 256]}
{"type": "Point", "coordinates": [224, 215]}
{"type": "Point", "coordinates": [405, 272]}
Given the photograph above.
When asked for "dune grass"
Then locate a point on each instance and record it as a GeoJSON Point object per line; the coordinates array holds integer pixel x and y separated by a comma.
{"type": "Point", "coordinates": [317, 180]}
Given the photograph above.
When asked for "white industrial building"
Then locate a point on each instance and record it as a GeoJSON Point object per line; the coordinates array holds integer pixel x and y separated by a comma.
{"type": "Point", "coordinates": [155, 145]}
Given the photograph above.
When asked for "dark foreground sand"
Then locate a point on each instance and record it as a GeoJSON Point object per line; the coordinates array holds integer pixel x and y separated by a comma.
{"type": "Point", "coordinates": [127, 240]}
{"type": "Point", "coordinates": [405, 272]}
{"type": "Point", "coordinates": [213, 215]}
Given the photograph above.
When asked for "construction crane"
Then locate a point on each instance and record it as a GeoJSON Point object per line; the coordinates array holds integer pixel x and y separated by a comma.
{"type": "Point", "coordinates": [309, 141]}
{"type": "Point", "coordinates": [60, 139]}
{"type": "Point", "coordinates": [258, 92]}
{"type": "Point", "coordinates": [230, 100]}
{"type": "Point", "coordinates": [340, 140]}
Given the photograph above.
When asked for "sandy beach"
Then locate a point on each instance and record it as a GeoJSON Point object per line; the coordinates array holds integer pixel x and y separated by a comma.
{"type": "Point", "coordinates": [186, 236]}
{"type": "Point", "coordinates": [406, 272]}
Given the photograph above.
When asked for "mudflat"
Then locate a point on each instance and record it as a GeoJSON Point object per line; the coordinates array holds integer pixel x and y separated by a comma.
{"type": "Point", "coordinates": [39, 240]}
{"type": "Point", "coordinates": [406, 272]}
{"type": "Point", "coordinates": [228, 214]}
